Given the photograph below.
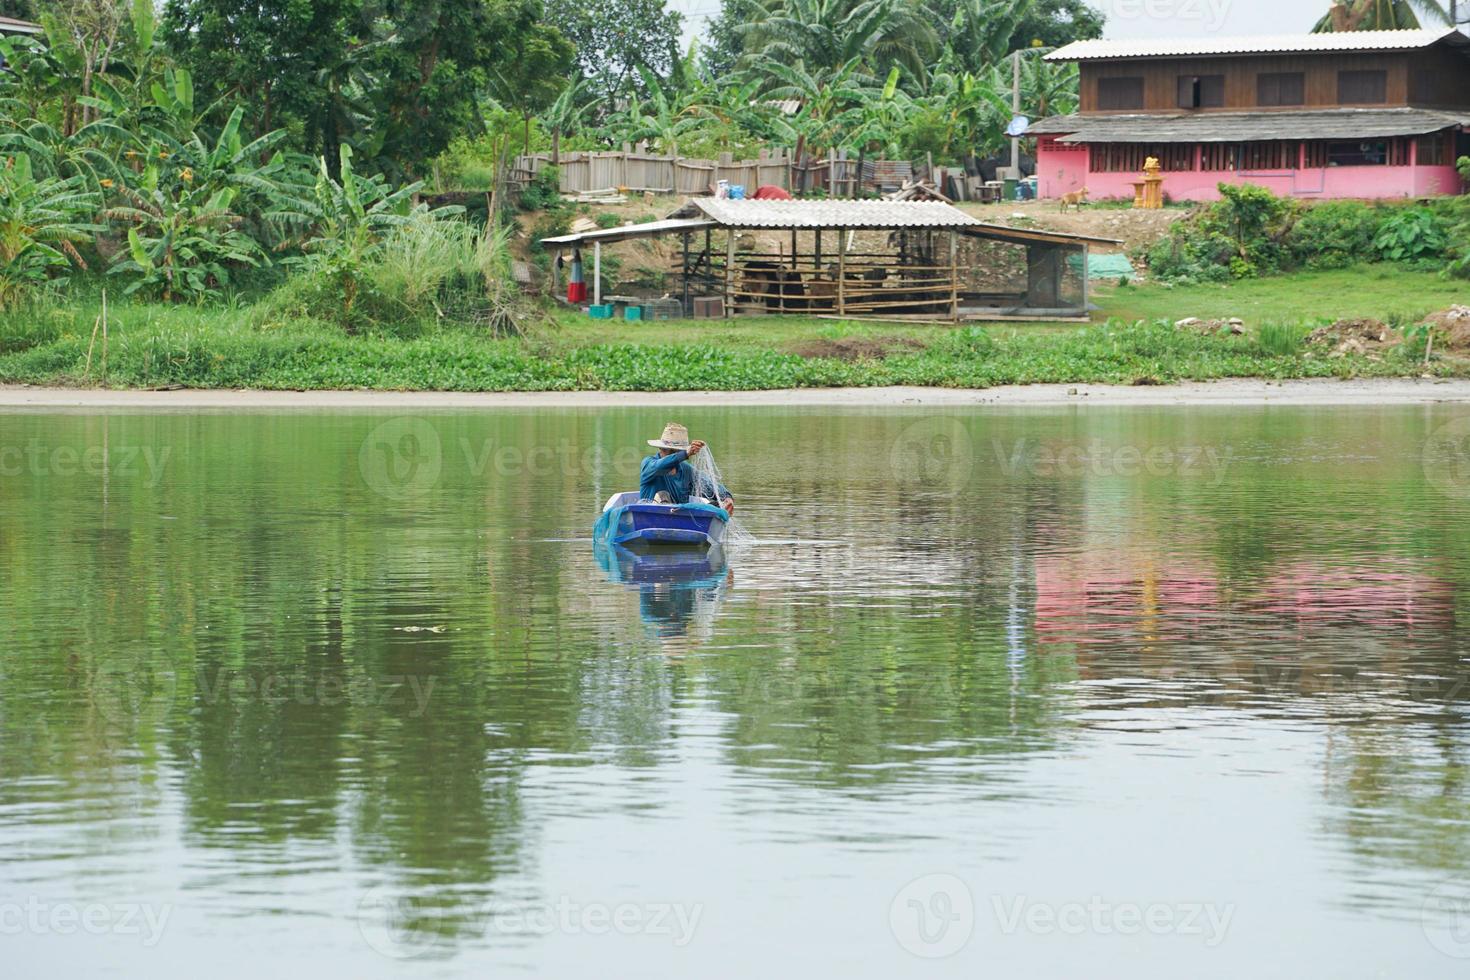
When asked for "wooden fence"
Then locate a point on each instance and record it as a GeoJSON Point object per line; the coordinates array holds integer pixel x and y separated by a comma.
{"type": "Point", "coordinates": [640, 171]}
{"type": "Point", "coordinates": [838, 174]}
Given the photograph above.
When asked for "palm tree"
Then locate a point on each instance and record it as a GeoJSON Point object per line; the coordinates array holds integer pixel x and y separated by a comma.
{"type": "Point", "coordinates": [1378, 15]}
{"type": "Point", "coordinates": [824, 35]}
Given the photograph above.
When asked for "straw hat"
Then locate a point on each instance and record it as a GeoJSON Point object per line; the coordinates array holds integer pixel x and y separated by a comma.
{"type": "Point", "coordinates": [675, 437]}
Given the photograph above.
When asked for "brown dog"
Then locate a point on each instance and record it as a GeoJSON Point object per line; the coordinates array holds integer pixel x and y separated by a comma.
{"type": "Point", "coordinates": [1075, 198]}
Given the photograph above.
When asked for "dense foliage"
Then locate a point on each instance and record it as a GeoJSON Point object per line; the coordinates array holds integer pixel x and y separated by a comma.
{"type": "Point", "coordinates": [1252, 232]}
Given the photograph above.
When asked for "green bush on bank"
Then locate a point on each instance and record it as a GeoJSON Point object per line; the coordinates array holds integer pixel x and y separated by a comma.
{"type": "Point", "coordinates": [1251, 232]}
{"type": "Point", "coordinates": [156, 345]}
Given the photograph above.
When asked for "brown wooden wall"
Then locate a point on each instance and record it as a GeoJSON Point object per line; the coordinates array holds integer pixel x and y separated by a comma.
{"type": "Point", "coordinates": [1447, 76]}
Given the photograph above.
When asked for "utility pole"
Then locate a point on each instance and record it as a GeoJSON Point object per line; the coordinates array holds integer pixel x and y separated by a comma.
{"type": "Point", "coordinates": [1016, 111]}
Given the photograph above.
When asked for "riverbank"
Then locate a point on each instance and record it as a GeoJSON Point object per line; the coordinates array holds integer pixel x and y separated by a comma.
{"type": "Point", "coordinates": [1134, 342]}
{"type": "Point", "coordinates": [1233, 392]}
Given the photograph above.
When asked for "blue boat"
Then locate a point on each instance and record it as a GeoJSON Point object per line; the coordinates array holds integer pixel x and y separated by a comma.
{"type": "Point", "coordinates": [628, 522]}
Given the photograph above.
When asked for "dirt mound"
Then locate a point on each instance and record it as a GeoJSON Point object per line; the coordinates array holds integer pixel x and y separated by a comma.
{"type": "Point", "coordinates": [1451, 329]}
{"type": "Point", "coordinates": [1354, 336]}
{"type": "Point", "coordinates": [856, 348]}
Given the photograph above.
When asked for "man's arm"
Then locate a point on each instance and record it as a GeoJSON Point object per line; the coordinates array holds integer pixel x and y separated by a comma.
{"type": "Point", "coordinates": [653, 465]}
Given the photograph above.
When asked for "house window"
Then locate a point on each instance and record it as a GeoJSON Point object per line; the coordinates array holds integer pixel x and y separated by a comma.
{"type": "Point", "coordinates": [1120, 93]}
{"type": "Point", "coordinates": [1280, 88]}
{"type": "Point", "coordinates": [1362, 87]}
{"type": "Point", "coordinates": [1434, 151]}
{"type": "Point", "coordinates": [1201, 91]}
{"type": "Point", "coordinates": [1269, 155]}
{"type": "Point", "coordinates": [1128, 158]}
{"type": "Point", "coordinates": [1219, 156]}
{"type": "Point", "coordinates": [1357, 153]}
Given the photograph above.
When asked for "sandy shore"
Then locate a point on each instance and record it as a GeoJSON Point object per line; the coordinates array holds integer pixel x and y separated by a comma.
{"type": "Point", "coordinates": [1230, 392]}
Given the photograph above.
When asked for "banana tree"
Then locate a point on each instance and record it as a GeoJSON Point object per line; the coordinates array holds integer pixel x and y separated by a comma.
{"type": "Point", "coordinates": [183, 242]}
{"type": "Point", "coordinates": [41, 219]}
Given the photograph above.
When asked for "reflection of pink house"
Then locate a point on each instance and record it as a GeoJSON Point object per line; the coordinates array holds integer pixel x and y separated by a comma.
{"type": "Point", "coordinates": [1097, 599]}
{"type": "Point", "coordinates": [1386, 594]}
{"type": "Point", "coordinates": [1365, 114]}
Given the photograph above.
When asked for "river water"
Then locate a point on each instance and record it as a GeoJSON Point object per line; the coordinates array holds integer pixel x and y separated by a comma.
{"type": "Point", "coordinates": [1052, 692]}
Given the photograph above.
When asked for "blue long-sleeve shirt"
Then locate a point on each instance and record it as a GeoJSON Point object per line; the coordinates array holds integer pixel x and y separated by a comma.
{"type": "Point", "coordinates": [671, 474]}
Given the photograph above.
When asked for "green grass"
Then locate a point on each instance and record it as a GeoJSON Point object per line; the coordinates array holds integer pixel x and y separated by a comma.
{"type": "Point", "coordinates": [151, 345]}
{"type": "Point", "coordinates": [1387, 292]}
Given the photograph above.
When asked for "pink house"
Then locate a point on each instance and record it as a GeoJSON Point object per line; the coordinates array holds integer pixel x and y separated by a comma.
{"type": "Point", "coordinates": [1366, 114]}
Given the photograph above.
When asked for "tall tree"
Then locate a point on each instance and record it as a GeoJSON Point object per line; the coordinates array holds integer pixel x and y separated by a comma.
{"type": "Point", "coordinates": [432, 73]}
{"type": "Point", "coordinates": [533, 68]}
{"type": "Point", "coordinates": [268, 55]}
{"type": "Point", "coordinates": [1378, 15]}
{"type": "Point", "coordinates": [824, 35]}
{"type": "Point", "coordinates": [1055, 23]}
{"type": "Point", "coordinates": [615, 39]}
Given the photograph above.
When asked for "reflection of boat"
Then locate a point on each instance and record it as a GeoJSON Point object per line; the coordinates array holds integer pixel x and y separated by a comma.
{"type": "Point", "coordinates": [631, 523]}
{"type": "Point", "coordinates": [676, 586]}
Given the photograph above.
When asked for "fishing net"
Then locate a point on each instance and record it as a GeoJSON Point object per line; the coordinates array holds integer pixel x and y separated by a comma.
{"type": "Point", "coordinates": [707, 483]}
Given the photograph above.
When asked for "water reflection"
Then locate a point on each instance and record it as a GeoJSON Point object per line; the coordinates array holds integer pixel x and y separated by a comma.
{"type": "Point", "coordinates": [679, 589]}
{"type": "Point", "coordinates": [256, 680]}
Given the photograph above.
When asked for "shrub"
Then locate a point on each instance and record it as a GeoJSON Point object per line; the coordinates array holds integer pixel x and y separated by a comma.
{"type": "Point", "coordinates": [543, 191]}
{"type": "Point", "coordinates": [1411, 235]}
{"type": "Point", "coordinates": [1333, 235]}
{"type": "Point", "coordinates": [1238, 236]}
{"type": "Point", "coordinates": [1459, 230]}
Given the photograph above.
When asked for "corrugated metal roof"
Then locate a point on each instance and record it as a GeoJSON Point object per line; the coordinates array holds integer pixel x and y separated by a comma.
{"type": "Point", "coordinates": [9, 25]}
{"type": "Point", "coordinates": [1006, 233]}
{"type": "Point", "coordinates": [1231, 127]}
{"type": "Point", "coordinates": [1100, 49]}
{"type": "Point", "coordinates": [831, 214]}
{"type": "Point", "coordinates": [649, 229]}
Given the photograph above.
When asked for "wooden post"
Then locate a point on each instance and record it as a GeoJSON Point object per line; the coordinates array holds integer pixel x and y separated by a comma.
{"type": "Point", "coordinates": [1084, 278]}
{"type": "Point", "coordinates": [954, 274]}
{"type": "Point", "coordinates": [729, 273]}
{"type": "Point", "coordinates": [841, 271]}
{"type": "Point", "coordinates": [685, 236]}
{"type": "Point", "coordinates": [597, 273]}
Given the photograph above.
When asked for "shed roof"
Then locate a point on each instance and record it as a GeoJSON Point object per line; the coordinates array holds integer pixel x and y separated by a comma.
{"type": "Point", "coordinates": [1231, 127]}
{"type": "Point", "coordinates": [1102, 49]}
{"type": "Point", "coordinates": [622, 233]}
{"type": "Point", "coordinates": [829, 214]}
{"type": "Point", "coordinates": [9, 25]}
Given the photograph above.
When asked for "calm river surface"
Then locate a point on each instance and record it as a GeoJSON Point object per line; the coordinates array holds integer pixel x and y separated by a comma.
{"type": "Point", "coordinates": [1001, 692]}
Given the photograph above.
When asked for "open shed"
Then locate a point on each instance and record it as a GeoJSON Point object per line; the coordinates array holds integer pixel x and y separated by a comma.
{"type": "Point", "coordinates": [890, 259]}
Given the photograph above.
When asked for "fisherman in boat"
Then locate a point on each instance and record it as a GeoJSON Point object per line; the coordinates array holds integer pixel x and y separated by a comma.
{"type": "Point", "coordinates": [667, 478]}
